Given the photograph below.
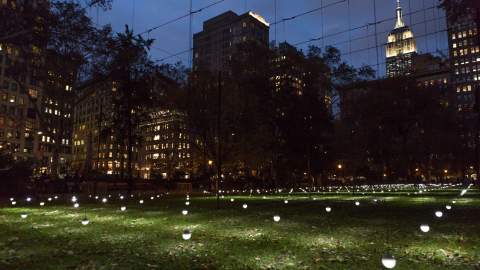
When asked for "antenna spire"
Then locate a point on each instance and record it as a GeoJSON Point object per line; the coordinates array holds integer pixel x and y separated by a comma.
{"type": "Point", "coordinates": [399, 22]}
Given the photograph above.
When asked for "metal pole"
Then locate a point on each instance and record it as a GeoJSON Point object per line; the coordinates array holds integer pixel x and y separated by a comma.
{"type": "Point", "coordinates": [219, 146]}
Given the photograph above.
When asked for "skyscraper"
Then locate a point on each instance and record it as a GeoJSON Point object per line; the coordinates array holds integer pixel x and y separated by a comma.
{"type": "Point", "coordinates": [214, 46]}
{"type": "Point", "coordinates": [401, 47]}
{"type": "Point", "coordinates": [464, 44]}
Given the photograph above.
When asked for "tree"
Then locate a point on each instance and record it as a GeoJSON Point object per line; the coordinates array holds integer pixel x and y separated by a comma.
{"type": "Point", "coordinates": [133, 76]}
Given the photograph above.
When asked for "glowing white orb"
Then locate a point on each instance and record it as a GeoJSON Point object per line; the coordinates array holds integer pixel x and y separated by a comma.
{"type": "Point", "coordinates": [42, 203]}
{"type": "Point", "coordinates": [244, 206]}
{"type": "Point", "coordinates": [184, 212]}
{"type": "Point", "coordinates": [232, 199]}
{"type": "Point", "coordinates": [96, 197]}
{"type": "Point", "coordinates": [454, 202]}
{"type": "Point", "coordinates": [286, 201]}
{"type": "Point", "coordinates": [11, 199]}
{"type": "Point", "coordinates": [29, 199]}
{"type": "Point", "coordinates": [388, 261]}
{"type": "Point", "coordinates": [74, 199]}
{"type": "Point", "coordinates": [264, 197]}
{"type": "Point", "coordinates": [85, 221]}
{"type": "Point", "coordinates": [425, 228]}
{"type": "Point", "coordinates": [14, 202]}
{"type": "Point", "coordinates": [187, 234]}
{"type": "Point", "coordinates": [328, 209]}
{"type": "Point", "coordinates": [187, 203]}
{"type": "Point", "coordinates": [439, 214]}
{"type": "Point", "coordinates": [151, 198]}
{"type": "Point", "coordinates": [357, 203]}
{"type": "Point", "coordinates": [123, 208]}
{"type": "Point", "coordinates": [448, 207]}
{"type": "Point", "coordinates": [104, 200]}
{"type": "Point", "coordinates": [141, 201]}
{"type": "Point", "coordinates": [276, 218]}
{"type": "Point", "coordinates": [23, 216]}
{"type": "Point", "coordinates": [49, 199]}
{"type": "Point", "coordinates": [121, 197]}
{"type": "Point", "coordinates": [76, 205]}
{"type": "Point", "coordinates": [56, 197]}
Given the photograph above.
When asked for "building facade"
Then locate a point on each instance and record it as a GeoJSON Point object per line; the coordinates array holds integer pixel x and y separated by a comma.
{"type": "Point", "coordinates": [214, 46]}
{"type": "Point", "coordinates": [166, 151]}
{"type": "Point", "coordinates": [401, 48]}
{"type": "Point", "coordinates": [464, 47]}
{"type": "Point", "coordinates": [95, 146]}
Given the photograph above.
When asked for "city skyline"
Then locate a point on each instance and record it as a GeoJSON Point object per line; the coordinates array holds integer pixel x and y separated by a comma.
{"type": "Point", "coordinates": [427, 22]}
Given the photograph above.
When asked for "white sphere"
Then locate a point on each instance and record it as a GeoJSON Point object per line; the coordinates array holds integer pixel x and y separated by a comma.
{"type": "Point", "coordinates": [11, 199]}
{"type": "Point", "coordinates": [14, 202]}
{"type": "Point", "coordinates": [448, 207]}
{"type": "Point", "coordinates": [121, 197]}
{"type": "Point", "coordinates": [42, 203]}
{"type": "Point", "coordinates": [151, 198]}
{"type": "Point", "coordinates": [104, 200]}
{"type": "Point", "coordinates": [454, 202]}
{"type": "Point", "coordinates": [74, 199]}
{"type": "Point", "coordinates": [141, 201]}
{"type": "Point", "coordinates": [276, 218]}
{"type": "Point", "coordinates": [286, 201]}
{"type": "Point", "coordinates": [244, 206]}
{"type": "Point", "coordinates": [328, 209]}
{"type": "Point", "coordinates": [23, 216]}
{"type": "Point", "coordinates": [388, 261]}
{"type": "Point", "coordinates": [439, 214]}
{"type": "Point", "coordinates": [187, 203]}
{"type": "Point", "coordinates": [76, 205]}
{"type": "Point", "coordinates": [357, 203]}
{"type": "Point", "coordinates": [232, 199]}
{"type": "Point", "coordinates": [187, 234]}
{"type": "Point", "coordinates": [49, 199]}
{"type": "Point", "coordinates": [85, 221]}
{"type": "Point", "coordinates": [425, 228]}
{"type": "Point", "coordinates": [29, 199]}
{"type": "Point", "coordinates": [123, 208]}
{"type": "Point", "coordinates": [184, 212]}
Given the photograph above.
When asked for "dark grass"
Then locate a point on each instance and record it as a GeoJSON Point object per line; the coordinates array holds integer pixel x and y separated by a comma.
{"type": "Point", "coordinates": [148, 236]}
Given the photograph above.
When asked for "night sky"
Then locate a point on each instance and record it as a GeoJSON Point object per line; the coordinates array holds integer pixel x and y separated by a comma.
{"type": "Point", "coordinates": [427, 22]}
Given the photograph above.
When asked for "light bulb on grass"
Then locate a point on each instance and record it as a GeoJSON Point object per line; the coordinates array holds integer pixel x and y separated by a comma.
{"type": "Point", "coordinates": [85, 221]}
{"type": "Point", "coordinates": [388, 261]}
{"type": "Point", "coordinates": [187, 234]}
{"type": "Point", "coordinates": [425, 228]}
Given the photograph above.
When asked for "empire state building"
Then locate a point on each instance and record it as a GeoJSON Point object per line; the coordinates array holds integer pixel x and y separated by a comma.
{"type": "Point", "coordinates": [401, 48]}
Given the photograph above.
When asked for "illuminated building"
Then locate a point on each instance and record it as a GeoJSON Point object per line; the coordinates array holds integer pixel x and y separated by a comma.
{"type": "Point", "coordinates": [401, 48]}
{"type": "Point", "coordinates": [95, 146]}
{"type": "Point", "coordinates": [166, 151]}
{"type": "Point", "coordinates": [214, 46]}
{"type": "Point", "coordinates": [36, 108]}
{"type": "Point", "coordinates": [464, 47]}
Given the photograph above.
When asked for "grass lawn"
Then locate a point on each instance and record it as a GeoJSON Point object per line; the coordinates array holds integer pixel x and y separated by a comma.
{"type": "Point", "coordinates": [149, 235]}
